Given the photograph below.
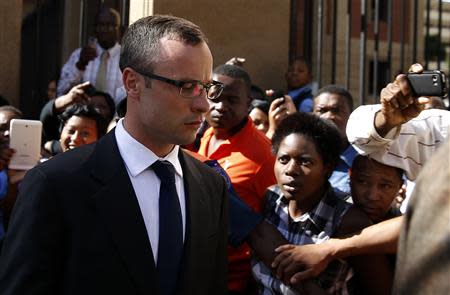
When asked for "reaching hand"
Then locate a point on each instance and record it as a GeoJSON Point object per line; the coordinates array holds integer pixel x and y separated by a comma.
{"type": "Point", "coordinates": [279, 109]}
{"type": "Point", "coordinates": [397, 103]}
{"type": "Point", "coordinates": [401, 196]}
{"type": "Point", "coordinates": [296, 263]}
{"type": "Point", "coordinates": [75, 95]}
{"type": "Point", "coordinates": [236, 61]}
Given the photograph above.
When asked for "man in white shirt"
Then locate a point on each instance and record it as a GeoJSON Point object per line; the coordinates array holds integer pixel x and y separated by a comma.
{"type": "Point", "coordinates": [132, 213]}
{"type": "Point", "coordinates": [98, 62]}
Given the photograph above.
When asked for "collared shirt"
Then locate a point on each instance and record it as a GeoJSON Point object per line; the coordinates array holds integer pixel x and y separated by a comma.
{"type": "Point", "coordinates": [314, 227]}
{"type": "Point", "coordinates": [71, 75]}
{"type": "Point", "coordinates": [340, 179]}
{"type": "Point", "coordinates": [146, 184]}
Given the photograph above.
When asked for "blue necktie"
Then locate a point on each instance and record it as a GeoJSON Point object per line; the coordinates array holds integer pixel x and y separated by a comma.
{"type": "Point", "coordinates": [170, 246]}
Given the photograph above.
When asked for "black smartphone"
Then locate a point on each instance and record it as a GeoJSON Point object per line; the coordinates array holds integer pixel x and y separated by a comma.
{"type": "Point", "coordinates": [428, 83]}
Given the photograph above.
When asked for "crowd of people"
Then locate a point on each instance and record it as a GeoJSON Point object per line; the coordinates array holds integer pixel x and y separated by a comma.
{"type": "Point", "coordinates": [162, 175]}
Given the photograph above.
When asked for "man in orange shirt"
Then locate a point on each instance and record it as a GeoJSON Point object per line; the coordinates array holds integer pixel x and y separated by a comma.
{"type": "Point", "coordinates": [242, 151]}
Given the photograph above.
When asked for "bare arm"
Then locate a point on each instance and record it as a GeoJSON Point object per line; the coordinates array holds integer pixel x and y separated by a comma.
{"type": "Point", "coordinates": [308, 261]}
{"type": "Point", "coordinates": [263, 240]}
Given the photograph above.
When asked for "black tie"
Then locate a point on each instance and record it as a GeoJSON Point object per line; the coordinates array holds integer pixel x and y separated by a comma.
{"type": "Point", "coordinates": [170, 246]}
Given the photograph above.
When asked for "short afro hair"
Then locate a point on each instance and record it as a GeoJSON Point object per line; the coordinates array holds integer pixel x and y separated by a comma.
{"type": "Point", "coordinates": [338, 90]}
{"type": "Point", "coordinates": [324, 134]}
{"type": "Point", "coordinates": [262, 105]}
{"type": "Point", "coordinates": [235, 72]}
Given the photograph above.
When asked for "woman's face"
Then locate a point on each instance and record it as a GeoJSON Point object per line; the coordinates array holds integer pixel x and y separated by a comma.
{"type": "Point", "coordinates": [299, 168]}
{"type": "Point", "coordinates": [260, 120]}
{"type": "Point", "coordinates": [78, 131]}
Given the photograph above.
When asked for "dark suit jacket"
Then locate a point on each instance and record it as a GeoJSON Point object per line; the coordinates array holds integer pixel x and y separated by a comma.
{"type": "Point", "coordinates": [77, 229]}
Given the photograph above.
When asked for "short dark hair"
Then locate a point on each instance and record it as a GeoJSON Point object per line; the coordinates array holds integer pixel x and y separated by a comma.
{"type": "Point", "coordinates": [257, 93]}
{"type": "Point", "coordinates": [87, 111]}
{"type": "Point", "coordinates": [235, 72]}
{"type": "Point", "coordinates": [302, 60]}
{"type": "Point", "coordinates": [324, 134]}
{"type": "Point", "coordinates": [108, 10]}
{"type": "Point", "coordinates": [357, 161]}
{"type": "Point", "coordinates": [260, 104]}
{"type": "Point", "coordinates": [109, 101]}
{"type": "Point", "coordinates": [140, 43]}
{"type": "Point", "coordinates": [9, 108]}
{"type": "Point", "coordinates": [338, 90]}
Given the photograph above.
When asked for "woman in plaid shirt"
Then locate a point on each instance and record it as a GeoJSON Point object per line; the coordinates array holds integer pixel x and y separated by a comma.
{"type": "Point", "coordinates": [305, 210]}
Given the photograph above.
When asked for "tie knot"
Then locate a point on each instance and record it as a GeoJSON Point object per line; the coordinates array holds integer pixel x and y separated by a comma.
{"type": "Point", "coordinates": [164, 170]}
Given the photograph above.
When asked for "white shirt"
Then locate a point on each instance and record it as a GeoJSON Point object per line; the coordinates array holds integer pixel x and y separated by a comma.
{"type": "Point", "coordinates": [407, 147]}
{"type": "Point", "coordinates": [71, 75]}
{"type": "Point", "coordinates": [146, 183]}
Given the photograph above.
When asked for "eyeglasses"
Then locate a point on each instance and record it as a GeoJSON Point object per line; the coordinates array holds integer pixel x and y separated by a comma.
{"type": "Point", "coordinates": [190, 88]}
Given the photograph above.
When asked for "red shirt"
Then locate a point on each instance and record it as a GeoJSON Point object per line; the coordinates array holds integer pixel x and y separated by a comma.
{"type": "Point", "coordinates": [247, 158]}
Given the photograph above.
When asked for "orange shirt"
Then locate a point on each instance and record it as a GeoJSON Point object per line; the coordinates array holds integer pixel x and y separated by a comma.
{"type": "Point", "coordinates": [248, 161]}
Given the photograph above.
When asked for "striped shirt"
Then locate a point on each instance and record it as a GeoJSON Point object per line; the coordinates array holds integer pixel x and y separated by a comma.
{"type": "Point", "coordinates": [313, 227]}
{"type": "Point", "coordinates": [71, 75]}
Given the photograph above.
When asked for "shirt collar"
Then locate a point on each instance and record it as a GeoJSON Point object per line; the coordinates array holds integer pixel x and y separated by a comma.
{"type": "Point", "coordinates": [115, 50]}
{"type": "Point", "coordinates": [313, 217]}
{"type": "Point", "coordinates": [137, 157]}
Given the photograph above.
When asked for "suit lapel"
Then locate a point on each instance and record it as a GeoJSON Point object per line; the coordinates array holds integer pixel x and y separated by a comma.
{"type": "Point", "coordinates": [197, 212]}
{"type": "Point", "coordinates": [118, 207]}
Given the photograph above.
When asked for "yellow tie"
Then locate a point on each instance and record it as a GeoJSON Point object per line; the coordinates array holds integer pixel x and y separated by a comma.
{"type": "Point", "coordinates": [100, 84]}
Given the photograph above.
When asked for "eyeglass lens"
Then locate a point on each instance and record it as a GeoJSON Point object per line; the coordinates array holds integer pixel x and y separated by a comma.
{"type": "Point", "coordinates": [196, 89]}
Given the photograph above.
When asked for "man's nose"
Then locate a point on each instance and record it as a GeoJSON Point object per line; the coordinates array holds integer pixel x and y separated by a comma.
{"type": "Point", "coordinates": [328, 116]}
{"type": "Point", "coordinates": [220, 105]}
{"type": "Point", "coordinates": [200, 104]}
{"type": "Point", "coordinates": [373, 194]}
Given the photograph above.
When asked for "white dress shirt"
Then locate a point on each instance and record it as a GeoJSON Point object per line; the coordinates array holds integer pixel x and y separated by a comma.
{"type": "Point", "coordinates": [71, 75]}
{"type": "Point", "coordinates": [146, 183]}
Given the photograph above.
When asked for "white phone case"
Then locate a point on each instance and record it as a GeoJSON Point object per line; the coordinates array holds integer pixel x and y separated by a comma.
{"type": "Point", "coordinates": [25, 138]}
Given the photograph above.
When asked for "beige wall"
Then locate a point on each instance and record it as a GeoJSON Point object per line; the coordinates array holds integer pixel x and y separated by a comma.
{"type": "Point", "coordinates": [254, 29]}
{"type": "Point", "coordinates": [10, 28]}
{"type": "Point", "coordinates": [71, 30]}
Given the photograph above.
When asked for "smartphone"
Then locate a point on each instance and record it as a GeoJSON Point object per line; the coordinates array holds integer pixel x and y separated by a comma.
{"type": "Point", "coordinates": [428, 83]}
{"type": "Point", "coordinates": [25, 138]}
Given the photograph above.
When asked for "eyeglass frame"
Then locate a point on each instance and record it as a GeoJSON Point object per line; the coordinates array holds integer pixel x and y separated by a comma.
{"type": "Point", "coordinates": [180, 83]}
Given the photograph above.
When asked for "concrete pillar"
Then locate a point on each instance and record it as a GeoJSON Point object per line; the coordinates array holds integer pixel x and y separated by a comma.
{"type": "Point", "coordinates": [10, 32]}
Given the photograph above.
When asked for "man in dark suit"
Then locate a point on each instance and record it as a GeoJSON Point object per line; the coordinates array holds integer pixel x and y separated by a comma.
{"type": "Point", "coordinates": [91, 220]}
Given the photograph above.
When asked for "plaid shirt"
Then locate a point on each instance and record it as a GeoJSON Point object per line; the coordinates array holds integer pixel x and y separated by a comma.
{"type": "Point", "coordinates": [313, 227]}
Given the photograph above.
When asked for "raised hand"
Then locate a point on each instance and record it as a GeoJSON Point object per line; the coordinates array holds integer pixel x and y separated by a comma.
{"type": "Point", "coordinates": [397, 103]}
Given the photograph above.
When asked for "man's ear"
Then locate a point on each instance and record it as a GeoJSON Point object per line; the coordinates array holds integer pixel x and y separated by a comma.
{"type": "Point", "coordinates": [131, 83]}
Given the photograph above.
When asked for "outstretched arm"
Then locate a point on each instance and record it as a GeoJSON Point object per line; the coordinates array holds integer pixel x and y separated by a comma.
{"type": "Point", "coordinates": [308, 261]}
